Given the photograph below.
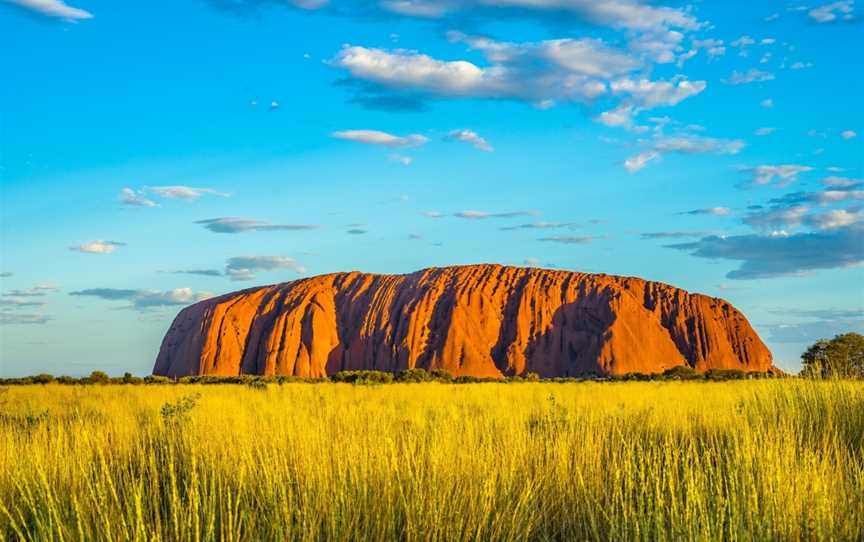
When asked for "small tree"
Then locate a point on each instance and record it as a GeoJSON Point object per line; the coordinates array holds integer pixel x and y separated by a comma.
{"type": "Point", "coordinates": [98, 377]}
{"type": "Point", "coordinates": [840, 357]}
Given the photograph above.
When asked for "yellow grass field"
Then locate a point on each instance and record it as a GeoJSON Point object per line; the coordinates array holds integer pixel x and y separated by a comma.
{"type": "Point", "coordinates": [754, 460]}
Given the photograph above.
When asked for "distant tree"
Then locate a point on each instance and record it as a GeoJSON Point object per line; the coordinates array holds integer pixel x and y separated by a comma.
{"type": "Point", "coordinates": [840, 357]}
{"type": "Point", "coordinates": [99, 377]}
{"type": "Point", "coordinates": [43, 378]}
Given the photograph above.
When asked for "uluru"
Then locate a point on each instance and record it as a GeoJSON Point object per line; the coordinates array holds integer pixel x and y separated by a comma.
{"type": "Point", "coordinates": [478, 320]}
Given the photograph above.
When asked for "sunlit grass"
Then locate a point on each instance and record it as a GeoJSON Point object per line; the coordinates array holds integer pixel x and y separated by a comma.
{"type": "Point", "coordinates": [754, 460]}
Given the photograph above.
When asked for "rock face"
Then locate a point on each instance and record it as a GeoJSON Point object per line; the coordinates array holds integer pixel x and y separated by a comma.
{"type": "Point", "coordinates": [480, 320]}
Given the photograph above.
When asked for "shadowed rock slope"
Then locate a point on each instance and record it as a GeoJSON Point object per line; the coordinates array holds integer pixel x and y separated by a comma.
{"type": "Point", "coordinates": [480, 320]}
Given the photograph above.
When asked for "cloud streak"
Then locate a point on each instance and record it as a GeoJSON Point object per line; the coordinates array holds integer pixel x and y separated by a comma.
{"type": "Point", "coordinates": [232, 224]}
{"type": "Point", "coordinates": [53, 8]}
{"type": "Point", "coordinates": [145, 300]}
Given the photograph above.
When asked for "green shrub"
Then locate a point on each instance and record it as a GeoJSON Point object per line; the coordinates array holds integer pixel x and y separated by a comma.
{"type": "Point", "coordinates": [42, 378]}
{"type": "Point", "coordinates": [362, 377]}
{"type": "Point", "coordinates": [725, 374]}
{"type": "Point", "coordinates": [414, 375]}
{"type": "Point", "coordinates": [157, 379]}
{"type": "Point", "coordinates": [681, 372]}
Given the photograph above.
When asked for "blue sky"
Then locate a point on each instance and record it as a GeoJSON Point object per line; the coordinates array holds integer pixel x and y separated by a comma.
{"type": "Point", "coordinates": [153, 155]}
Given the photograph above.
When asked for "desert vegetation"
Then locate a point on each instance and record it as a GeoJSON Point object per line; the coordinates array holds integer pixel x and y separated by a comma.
{"type": "Point", "coordinates": [778, 459]}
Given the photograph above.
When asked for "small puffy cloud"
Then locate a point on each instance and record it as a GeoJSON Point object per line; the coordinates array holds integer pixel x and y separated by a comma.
{"type": "Point", "coordinates": [785, 174]}
{"type": "Point", "coordinates": [620, 117]}
{"type": "Point", "coordinates": [144, 300]}
{"type": "Point", "coordinates": [376, 137]}
{"type": "Point", "coordinates": [183, 192]}
{"type": "Point", "coordinates": [53, 8]}
{"type": "Point", "coordinates": [750, 76]}
{"type": "Point", "coordinates": [648, 94]}
{"type": "Point", "coordinates": [432, 214]}
{"type": "Point", "coordinates": [764, 131]}
{"type": "Point", "coordinates": [472, 137]}
{"type": "Point", "coordinates": [6, 274]}
{"type": "Point", "coordinates": [356, 231]}
{"type": "Point", "coordinates": [713, 211]}
{"type": "Point", "coordinates": [482, 215]}
{"type": "Point", "coordinates": [833, 12]}
{"type": "Point", "coordinates": [800, 65]}
{"type": "Point", "coordinates": [98, 247]}
{"type": "Point", "coordinates": [245, 267]}
{"type": "Point", "coordinates": [836, 218]}
{"type": "Point", "coordinates": [848, 134]}
{"type": "Point", "coordinates": [779, 254]}
{"type": "Point", "coordinates": [132, 197]}
{"type": "Point", "coordinates": [742, 42]}
{"type": "Point", "coordinates": [688, 144]}
{"type": "Point", "coordinates": [639, 161]}
{"type": "Point", "coordinates": [232, 224]}
{"type": "Point", "coordinates": [401, 159]}
{"type": "Point", "coordinates": [570, 239]}
{"type": "Point", "coordinates": [767, 103]}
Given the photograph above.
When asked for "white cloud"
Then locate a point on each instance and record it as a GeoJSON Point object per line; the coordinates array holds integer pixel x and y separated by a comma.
{"type": "Point", "coordinates": [764, 131]}
{"type": "Point", "coordinates": [743, 41]}
{"type": "Point", "coordinates": [472, 137]}
{"type": "Point", "coordinates": [131, 197]}
{"type": "Point", "coordinates": [786, 173]}
{"type": "Point", "coordinates": [183, 192]}
{"type": "Point", "coordinates": [54, 8]}
{"type": "Point", "coordinates": [541, 73]}
{"type": "Point", "coordinates": [639, 161]}
{"type": "Point", "coordinates": [432, 214]}
{"type": "Point", "coordinates": [848, 134]}
{"type": "Point", "coordinates": [376, 137]}
{"type": "Point", "coordinates": [682, 144]}
{"type": "Point", "coordinates": [620, 117]}
{"type": "Point", "coordinates": [800, 65]}
{"type": "Point", "coordinates": [832, 12]}
{"type": "Point", "coordinates": [767, 103]}
{"type": "Point", "coordinates": [648, 94]}
{"type": "Point", "coordinates": [688, 144]}
{"type": "Point", "coordinates": [750, 76]}
{"type": "Point", "coordinates": [837, 218]}
{"type": "Point", "coordinates": [98, 247]}
{"type": "Point", "coordinates": [245, 267]}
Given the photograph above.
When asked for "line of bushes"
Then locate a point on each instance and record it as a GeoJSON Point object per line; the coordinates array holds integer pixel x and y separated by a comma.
{"type": "Point", "coordinates": [385, 377]}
